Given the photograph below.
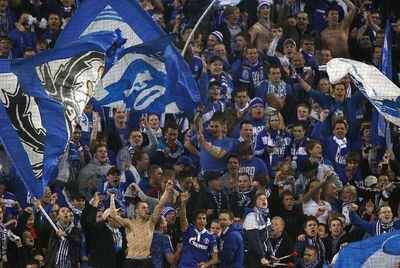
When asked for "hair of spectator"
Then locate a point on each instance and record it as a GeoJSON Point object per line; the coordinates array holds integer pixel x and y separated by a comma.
{"type": "Point", "coordinates": [250, 46]}
{"type": "Point", "coordinates": [244, 148]}
{"type": "Point", "coordinates": [280, 117]}
{"type": "Point", "coordinates": [152, 169]}
{"type": "Point", "coordinates": [245, 122]}
{"type": "Point", "coordinates": [310, 145]}
{"type": "Point", "coordinates": [273, 66]}
{"type": "Point", "coordinates": [240, 90]}
{"type": "Point", "coordinates": [137, 156]}
{"type": "Point", "coordinates": [245, 35]}
{"type": "Point", "coordinates": [218, 117]}
{"type": "Point", "coordinates": [199, 212]}
{"type": "Point", "coordinates": [261, 180]}
{"type": "Point", "coordinates": [312, 248]}
{"type": "Point", "coordinates": [134, 129]}
{"type": "Point", "coordinates": [78, 126]}
{"type": "Point", "coordinates": [184, 174]}
{"type": "Point", "coordinates": [353, 157]}
{"type": "Point", "coordinates": [233, 156]}
{"type": "Point", "coordinates": [310, 218]}
{"type": "Point", "coordinates": [335, 219]}
{"type": "Point", "coordinates": [229, 212]}
{"type": "Point", "coordinates": [171, 125]}
{"type": "Point", "coordinates": [279, 219]}
{"type": "Point", "coordinates": [339, 120]}
{"type": "Point", "coordinates": [244, 174]}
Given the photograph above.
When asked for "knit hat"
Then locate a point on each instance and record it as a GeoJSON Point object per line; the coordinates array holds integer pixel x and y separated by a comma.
{"type": "Point", "coordinates": [256, 101]}
{"type": "Point", "coordinates": [165, 211]}
{"type": "Point", "coordinates": [219, 35]}
{"type": "Point", "coordinates": [263, 3]}
{"type": "Point", "coordinates": [289, 41]}
{"type": "Point", "coordinates": [370, 180]}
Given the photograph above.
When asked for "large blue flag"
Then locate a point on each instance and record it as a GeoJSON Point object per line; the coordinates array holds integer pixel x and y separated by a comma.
{"type": "Point", "coordinates": [42, 98]}
{"type": "Point", "coordinates": [136, 26]}
{"type": "Point", "coordinates": [379, 251]}
{"type": "Point", "coordinates": [380, 128]}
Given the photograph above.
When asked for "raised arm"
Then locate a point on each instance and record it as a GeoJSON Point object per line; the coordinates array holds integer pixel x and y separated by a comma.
{"type": "Point", "coordinates": [210, 148]}
{"type": "Point", "coordinates": [348, 19]}
{"type": "Point", "coordinates": [114, 213]}
{"type": "Point", "coordinates": [164, 198]}
{"type": "Point", "coordinates": [182, 213]}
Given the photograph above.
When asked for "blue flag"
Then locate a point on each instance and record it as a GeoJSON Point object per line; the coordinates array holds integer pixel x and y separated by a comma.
{"type": "Point", "coordinates": [136, 26]}
{"type": "Point", "coordinates": [380, 128]}
{"type": "Point", "coordinates": [379, 251]}
{"type": "Point", "coordinates": [42, 98]}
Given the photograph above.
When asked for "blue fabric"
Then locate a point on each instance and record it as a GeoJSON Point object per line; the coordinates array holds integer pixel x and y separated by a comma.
{"type": "Point", "coordinates": [231, 253]}
{"type": "Point", "coordinates": [254, 167]}
{"type": "Point", "coordinates": [175, 85]}
{"type": "Point", "coordinates": [42, 127]}
{"type": "Point", "coordinates": [160, 245]}
{"type": "Point", "coordinates": [380, 132]}
{"type": "Point", "coordinates": [197, 247]}
{"type": "Point", "coordinates": [356, 254]}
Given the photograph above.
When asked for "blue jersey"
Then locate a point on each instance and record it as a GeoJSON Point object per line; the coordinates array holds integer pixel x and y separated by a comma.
{"type": "Point", "coordinates": [254, 167]}
{"type": "Point", "coordinates": [197, 247]}
{"type": "Point", "coordinates": [207, 161]}
{"type": "Point", "coordinates": [160, 245]}
{"type": "Point", "coordinates": [250, 75]}
{"type": "Point", "coordinates": [258, 126]}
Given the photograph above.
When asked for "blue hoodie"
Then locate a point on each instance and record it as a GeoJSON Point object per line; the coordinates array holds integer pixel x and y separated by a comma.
{"type": "Point", "coordinates": [231, 253]}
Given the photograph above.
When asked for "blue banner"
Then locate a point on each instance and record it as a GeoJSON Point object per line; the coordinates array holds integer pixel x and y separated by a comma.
{"type": "Point", "coordinates": [380, 128]}
{"type": "Point", "coordinates": [379, 251]}
{"type": "Point", "coordinates": [136, 26]}
{"type": "Point", "coordinates": [42, 98]}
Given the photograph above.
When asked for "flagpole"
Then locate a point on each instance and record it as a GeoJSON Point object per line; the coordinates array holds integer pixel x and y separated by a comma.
{"type": "Point", "coordinates": [197, 26]}
{"type": "Point", "coordinates": [48, 218]}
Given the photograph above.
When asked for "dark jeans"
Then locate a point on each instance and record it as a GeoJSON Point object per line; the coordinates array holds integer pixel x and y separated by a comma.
{"type": "Point", "coordinates": [251, 260]}
{"type": "Point", "coordinates": [132, 263]}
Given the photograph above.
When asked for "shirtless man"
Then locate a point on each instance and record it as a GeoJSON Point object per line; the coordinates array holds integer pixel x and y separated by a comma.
{"type": "Point", "coordinates": [139, 231]}
{"type": "Point", "coordinates": [335, 36]}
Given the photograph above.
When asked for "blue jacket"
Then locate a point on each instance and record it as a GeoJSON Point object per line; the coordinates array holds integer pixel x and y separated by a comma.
{"type": "Point", "coordinates": [349, 107]}
{"type": "Point", "coordinates": [231, 253]}
{"type": "Point", "coordinates": [369, 227]}
{"type": "Point", "coordinates": [22, 40]}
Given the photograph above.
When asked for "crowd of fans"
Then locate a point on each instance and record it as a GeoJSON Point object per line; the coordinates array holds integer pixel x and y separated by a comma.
{"type": "Point", "coordinates": [276, 166]}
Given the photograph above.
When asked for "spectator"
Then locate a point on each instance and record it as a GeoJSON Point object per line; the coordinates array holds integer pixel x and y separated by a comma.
{"type": "Point", "coordinates": [231, 250]}
{"type": "Point", "coordinates": [195, 251]}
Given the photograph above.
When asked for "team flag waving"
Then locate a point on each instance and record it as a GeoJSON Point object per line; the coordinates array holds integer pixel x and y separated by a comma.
{"type": "Point", "coordinates": [177, 92]}
{"type": "Point", "coordinates": [42, 98]}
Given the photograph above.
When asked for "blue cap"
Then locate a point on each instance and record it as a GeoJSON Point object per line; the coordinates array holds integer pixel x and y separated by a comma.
{"type": "Point", "coordinates": [256, 101]}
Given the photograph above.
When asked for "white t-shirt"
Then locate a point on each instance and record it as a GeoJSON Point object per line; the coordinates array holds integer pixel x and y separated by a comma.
{"type": "Point", "coordinates": [311, 207]}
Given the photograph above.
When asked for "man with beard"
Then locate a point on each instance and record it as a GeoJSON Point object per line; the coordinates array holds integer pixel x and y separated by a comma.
{"type": "Point", "coordinates": [139, 232]}
{"type": "Point", "coordinates": [242, 197]}
{"type": "Point", "coordinates": [231, 247]}
{"type": "Point", "coordinates": [384, 225]}
{"type": "Point", "coordinates": [64, 245]}
{"type": "Point", "coordinates": [281, 243]}
{"type": "Point", "coordinates": [198, 244]}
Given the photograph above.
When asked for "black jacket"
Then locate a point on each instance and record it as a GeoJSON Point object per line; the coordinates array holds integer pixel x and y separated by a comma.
{"type": "Point", "coordinates": [102, 253]}
{"type": "Point", "coordinates": [74, 246]}
{"type": "Point", "coordinates": [207, 201]}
